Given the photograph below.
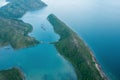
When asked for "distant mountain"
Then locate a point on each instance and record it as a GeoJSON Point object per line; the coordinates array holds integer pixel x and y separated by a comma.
{"type": "Point", "coordinates": [16, 9]}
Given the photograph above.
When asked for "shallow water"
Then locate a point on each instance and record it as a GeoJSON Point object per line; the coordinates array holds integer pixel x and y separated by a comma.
{"type": "Point", "coordinates": [96, 21]}
{"type": "Point", "coordinates": [41, 62]}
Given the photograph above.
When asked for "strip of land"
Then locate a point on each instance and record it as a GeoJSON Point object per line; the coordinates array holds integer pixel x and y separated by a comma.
{"type": "Point", "coordinates": [75, 51]}
{"type": "Point", "coordinates": [15, 33]}
{"type": "Point", "coordinates": [11, 74]}
{"type": "Point", "coordinates": [16, 9]}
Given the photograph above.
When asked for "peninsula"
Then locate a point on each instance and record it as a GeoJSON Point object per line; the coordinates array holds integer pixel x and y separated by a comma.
{"type": "Point", "coordinates": [75, 51]}
{"type": "Point", "coordinates": [15, 33]}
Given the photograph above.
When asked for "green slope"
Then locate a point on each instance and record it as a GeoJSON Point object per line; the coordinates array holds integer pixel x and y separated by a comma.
{"type": "Point", "coordinates": [17, 8]}
{"type": "Point", "coordinates": [75, 51]}
{"type": "Point", "coordinates": [15, 32]}
{"type": "Point", "coordinates": [11, 74]}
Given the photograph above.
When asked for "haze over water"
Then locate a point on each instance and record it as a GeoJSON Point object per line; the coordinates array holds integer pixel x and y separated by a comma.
{"type": "Point", "coordinates": [96, 21]}
{"type": "Point", "coordinates": [3, 2]}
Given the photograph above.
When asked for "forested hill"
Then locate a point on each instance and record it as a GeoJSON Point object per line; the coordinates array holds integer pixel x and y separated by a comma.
{"type": "Point", "coordinates": [13, 28]}
{"type": "Point", "coordinates": [73, 48]}
{"type": "Point", "coordinates": [17, 8]}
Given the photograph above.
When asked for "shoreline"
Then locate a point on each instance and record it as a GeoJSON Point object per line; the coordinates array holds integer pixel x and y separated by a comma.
{"type": "Point", "coordinates": [98, 66]}
{"type": "Point", "coordinates": [76, 51]}
{"type": "Point", "coordinates": [8, 74]}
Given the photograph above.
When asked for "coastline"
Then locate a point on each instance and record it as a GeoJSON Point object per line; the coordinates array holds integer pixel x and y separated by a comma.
{"type": "Point", "coordinates": [7, 74]}
{"type": "Point", "coordinates": [76, 51]}
{"type": "Point", "coordinates": [98, 66]}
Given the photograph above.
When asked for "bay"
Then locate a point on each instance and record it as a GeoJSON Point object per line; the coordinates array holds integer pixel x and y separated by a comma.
{"type": "Point", "coordinates": [96, 21]}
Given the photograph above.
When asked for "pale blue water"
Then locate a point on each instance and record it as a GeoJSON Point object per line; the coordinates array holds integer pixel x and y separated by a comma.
{"type": "Point", "coordinates": [96, 21]}
{"type": "Point", "coordinates": [37, 63]}
{"type": "Point", "coordinates": [3, 2]}
{"type": "Point", "coordinates": [41, 62]}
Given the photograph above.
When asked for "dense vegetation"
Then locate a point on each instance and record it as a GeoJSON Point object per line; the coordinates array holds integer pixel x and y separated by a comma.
{"type": "Point", "coordinates": [74, 50]}
{"type": "Point", "coordinates": [15, 32]}
{"type": "Point", "coordinates": [11, 74]}
{"type": "Point", "coordinates": [17, 8]}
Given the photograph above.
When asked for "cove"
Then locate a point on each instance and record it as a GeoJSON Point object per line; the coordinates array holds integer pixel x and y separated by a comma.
{"type": "Point", "coordinates": [97, 22]}
{"type": "Point", "coordinates": [38, 62]}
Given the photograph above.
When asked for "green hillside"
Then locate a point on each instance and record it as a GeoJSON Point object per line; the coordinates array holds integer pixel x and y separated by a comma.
{"type": "Point", "coordinates": [74, 50]}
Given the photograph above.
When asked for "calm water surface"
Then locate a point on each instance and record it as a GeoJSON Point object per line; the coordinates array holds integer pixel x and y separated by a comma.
{"type": "Point", "coordinates": [41, 62]}
{"type": "Point", "coordinates": [96, 21]}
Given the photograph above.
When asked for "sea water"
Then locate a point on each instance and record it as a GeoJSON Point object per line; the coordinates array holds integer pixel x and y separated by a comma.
{"type": "Point", "coordinates": [95, 21]}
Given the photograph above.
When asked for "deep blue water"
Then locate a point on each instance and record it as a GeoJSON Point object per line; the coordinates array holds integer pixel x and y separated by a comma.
{"type": "Point", "coordinates": [97, 22]}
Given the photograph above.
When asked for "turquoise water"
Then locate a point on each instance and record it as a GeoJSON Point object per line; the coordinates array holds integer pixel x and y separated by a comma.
{"type": "Point", "coordinates": [38, 63]}
{"type": "Point", "coordinates": [96, 21]}
{"type": "Point", "coordinates": [41, 62]}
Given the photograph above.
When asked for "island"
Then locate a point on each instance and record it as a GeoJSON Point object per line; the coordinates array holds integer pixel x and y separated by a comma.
{"type": "Point", "coordinates": [15, 33]}
{"type": "Point", "coordinates": [16, 9]}
{"type": "Point", "coordinates": [72, 48]}
{"type": "Point", "coordinates": [11, 74]}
